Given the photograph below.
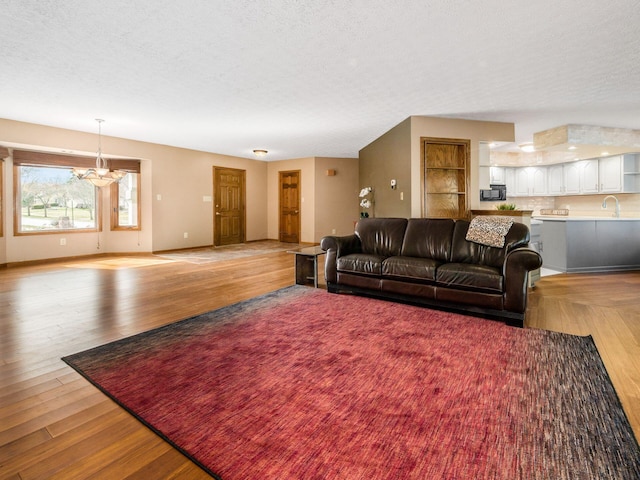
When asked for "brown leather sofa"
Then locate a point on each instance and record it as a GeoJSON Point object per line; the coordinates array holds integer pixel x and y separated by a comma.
{"type": "Point", "coordinates": [430, 262]}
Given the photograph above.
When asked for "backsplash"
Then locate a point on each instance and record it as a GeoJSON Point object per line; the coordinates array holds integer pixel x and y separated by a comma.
{"type": "Point", "coordinates": [591, 205]}
{"type": "Point", "coordinates": [581, 205]}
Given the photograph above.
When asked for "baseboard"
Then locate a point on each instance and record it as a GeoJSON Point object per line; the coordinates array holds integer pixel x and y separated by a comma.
{"type": "Point", "coordinates": [47, 261]}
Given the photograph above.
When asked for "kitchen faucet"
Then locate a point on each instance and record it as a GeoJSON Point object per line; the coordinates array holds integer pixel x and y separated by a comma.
{"type": "Point", "coordinates": [604, 205]}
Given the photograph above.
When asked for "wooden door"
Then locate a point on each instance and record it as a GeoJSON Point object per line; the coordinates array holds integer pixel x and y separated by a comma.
{"type": "Point", "coordinates": [289, 225]}
{"type": "Point", "coordinates": [229, 201]}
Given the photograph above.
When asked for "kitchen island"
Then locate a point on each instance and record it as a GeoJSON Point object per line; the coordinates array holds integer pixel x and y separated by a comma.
{"type": "Point", "coordinates": [590, 244]}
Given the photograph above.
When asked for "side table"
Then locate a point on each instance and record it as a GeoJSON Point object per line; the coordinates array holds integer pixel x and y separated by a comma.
{"type": "Point", "coordinates": [307, 264]}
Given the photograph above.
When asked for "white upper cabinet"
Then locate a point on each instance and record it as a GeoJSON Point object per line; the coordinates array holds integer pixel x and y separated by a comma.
{"type": "Point", "coordinates": [557, 182]}
{"type": "Point", "coordinates": [610, 174]}
{"type": "Point", "coordinates": [510, 181]}
{"type": "Point", "coordinates": [631, 173]}
{"type": "Point", "coordinates": [571, 178]}
{"type": "Point", "coordinates": [538, 176]}
{"type": "Point", "coordinates": [589, 175]}
{"type": "Point", "coordinates": [497, 175]}
{"type": "Point", "coordinates": [521, 182]}
{"type": "Point", "coordinates": [530, 181]}
{"type": "Point", "coordinates": [615, 174]}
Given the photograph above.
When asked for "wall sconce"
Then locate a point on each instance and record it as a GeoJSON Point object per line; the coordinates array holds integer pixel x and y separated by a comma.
{"type": "Point", "coordinates": [260, 153]}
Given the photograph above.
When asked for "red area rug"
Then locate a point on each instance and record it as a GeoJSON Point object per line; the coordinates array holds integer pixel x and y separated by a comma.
{"type": "Point", "coordinates": [303, 384]}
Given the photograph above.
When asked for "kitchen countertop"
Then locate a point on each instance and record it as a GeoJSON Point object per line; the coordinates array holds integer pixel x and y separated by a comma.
{"type": "Point", "coordinates": [574, 218]}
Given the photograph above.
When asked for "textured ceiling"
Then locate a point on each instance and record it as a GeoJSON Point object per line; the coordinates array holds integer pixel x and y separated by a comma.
{"type": "Point", "coordinates": [315, 77]}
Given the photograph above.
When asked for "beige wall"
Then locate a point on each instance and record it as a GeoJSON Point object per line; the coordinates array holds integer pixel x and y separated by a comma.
{"type": "Point", "coordinates": [327, 203]}
{"type": "Point", "coordinates": [387, 158]}
{"type": "Point", "coordinates": [181, 177]}
{"type": "Point", "coordinates": [474, 130]}
{"type": "Point", "coordinates": [336, 199]}
{"type": "Point", "coordinates": [396, 155]}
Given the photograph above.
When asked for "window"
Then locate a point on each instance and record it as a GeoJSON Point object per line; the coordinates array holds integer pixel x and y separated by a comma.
{"type": "Point", "coordinates": [125, 203]}
{"type": "Point", "coordinates": [50, 199]}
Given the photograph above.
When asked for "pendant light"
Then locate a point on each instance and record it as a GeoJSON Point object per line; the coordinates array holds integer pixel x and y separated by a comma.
{"type": "Point", "coordinates": [100, 176]}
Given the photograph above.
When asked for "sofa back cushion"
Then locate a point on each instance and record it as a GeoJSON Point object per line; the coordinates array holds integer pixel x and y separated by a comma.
{"type": "Point", "coordinates": [428, 238]}
{"type": "Point", "coordinates": [464, 251]}
{"type": "Point", "coordinates": [381, 236]}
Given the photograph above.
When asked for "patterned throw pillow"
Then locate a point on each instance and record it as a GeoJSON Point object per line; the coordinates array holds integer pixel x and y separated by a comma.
{"type": "Point", "coordinates": [489, 230]}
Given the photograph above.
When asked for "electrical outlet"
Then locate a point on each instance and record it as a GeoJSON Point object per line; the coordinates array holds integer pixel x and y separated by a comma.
{"type": "Point", "coordinates": [63, 241]}
{"type": "Point", "coordinates": [333, 231]}
{"type": "Point", "coordinates": [186, 234]}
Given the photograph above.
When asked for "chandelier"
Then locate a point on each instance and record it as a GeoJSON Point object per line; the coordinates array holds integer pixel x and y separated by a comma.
{"type": "Point", "coordinates": [99, 176]}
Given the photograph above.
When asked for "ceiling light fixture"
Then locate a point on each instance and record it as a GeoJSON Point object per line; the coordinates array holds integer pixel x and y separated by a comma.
{"type": "Point", "coordinates": [260, 153]}
{"type": "Point", "coordinates": [527, 147]}
{"type": "Point", "coordinates": [100, 176]}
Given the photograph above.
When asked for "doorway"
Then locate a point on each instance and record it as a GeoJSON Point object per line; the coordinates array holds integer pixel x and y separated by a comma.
{"type": "Point", "coordinates": [229, 206]}
{"type": "Point", "coordinates": [289, 217]}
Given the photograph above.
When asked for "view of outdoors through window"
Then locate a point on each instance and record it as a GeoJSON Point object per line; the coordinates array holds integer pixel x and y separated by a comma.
{"type": "Point", "coordinates": [128, 201]}
{"type": "Point", "coordinates": [52, 198]}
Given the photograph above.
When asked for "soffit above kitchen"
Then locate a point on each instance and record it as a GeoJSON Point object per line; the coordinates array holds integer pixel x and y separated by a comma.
{"type": "Point", "coordinates": [568, 143]}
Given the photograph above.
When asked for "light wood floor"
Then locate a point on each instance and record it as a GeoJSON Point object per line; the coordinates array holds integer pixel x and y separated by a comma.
{"type": "Point", "coordinates": [54, 424]}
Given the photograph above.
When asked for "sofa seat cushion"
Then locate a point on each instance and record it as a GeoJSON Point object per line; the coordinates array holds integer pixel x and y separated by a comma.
{"type": "Point", "coordinates": [363, 263]}
{"type": "Point", "coordinates": [470, 276]}
{"type": "Point", "coordinates": [410, 268]}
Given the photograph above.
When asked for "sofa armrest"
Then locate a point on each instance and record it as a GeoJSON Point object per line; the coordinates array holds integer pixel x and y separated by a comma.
{"type": "Point", "coordinates": [337, 247]}
{"type": "Point", "coordinates": [517, 264]}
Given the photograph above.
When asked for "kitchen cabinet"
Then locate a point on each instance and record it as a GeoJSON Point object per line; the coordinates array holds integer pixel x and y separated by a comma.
{"type": "Point", "coordinates": [575, 177]}
{"type": "Point", "coordinates": [530, 181]}
{"type": "Point", "coordinates": [497, 175]}
{"type": "Point", "coordinates": [571, 178]}
{"type": "Point", "coordinates": [521, 182]}
{"type": "Point", "coordinates": [610, 174]}
{"type": "Point", "coordinates": [538, 176]}
{"type": "Point", "coordinates": [556, 179]}
{"type": "Point", "coordinates": [510, 181]}
{"type": "Point", "coordinates": [631, 173]}
{"type": "Point", "coordinates": [615, 174]}
{"type": "Point", "coordinates": [589, 175]}
{"type": "Point", "coordinates": [590, 245]}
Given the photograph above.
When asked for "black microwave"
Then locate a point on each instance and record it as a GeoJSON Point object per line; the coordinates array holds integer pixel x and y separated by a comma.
{"type": "Point", "coordinates": [497, 193]}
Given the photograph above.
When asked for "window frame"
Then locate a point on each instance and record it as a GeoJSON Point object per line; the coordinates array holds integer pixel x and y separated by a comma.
{"type": "Point", "coordinates": [30, 158]}
{"type": "Point", "coordinates": [17, 206]}
{"type": "Point", "coordinates": [4, 152]}
{"type": "Point", "coordinates": [115, 206]}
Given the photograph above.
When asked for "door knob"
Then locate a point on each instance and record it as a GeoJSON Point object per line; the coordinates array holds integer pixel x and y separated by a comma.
{"type": "Point", "coordinates": [217, 213]}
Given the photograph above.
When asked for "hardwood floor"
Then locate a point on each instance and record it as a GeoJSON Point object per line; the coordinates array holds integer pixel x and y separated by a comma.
{"type": "Point", "coordinates": [54, 424]}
